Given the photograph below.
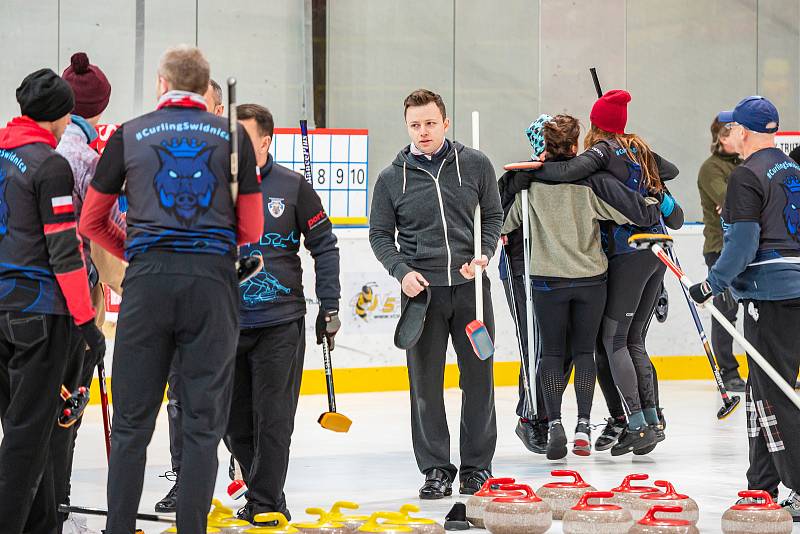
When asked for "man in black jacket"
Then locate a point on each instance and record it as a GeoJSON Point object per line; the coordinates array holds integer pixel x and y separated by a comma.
{"type": "Point", "coordinates": [44, 294]}
{"type": "Point", "coordinates": [272, 309]}
{"type": "Point", "coordinates": [213, 100]}
{"type": "Point", "coordinates": [180, 299]}
{"type": "Point", "coordinates": [428, 196]}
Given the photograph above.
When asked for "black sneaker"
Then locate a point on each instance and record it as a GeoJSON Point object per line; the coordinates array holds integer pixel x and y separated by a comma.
{"type": "Point", "coordinates": [582, 445]}
{"type": "Point", "coordinates": [169, 503]}
{"type": "Point", "coordinates": [610, 434]}
{"type": "Point", "coordinates": [473, 482]}
{"type": "Point", "coordinates": [437, 485]}
{"type": "Point", "coordinates": [661, 419]}
{"type": "Point", "coordinates": [660, 436]}
{"type": "Point", "coordinates": [531, 435]}
{"type": "Point", "coordinates": [556, 441]}
{"type": "Point", "coordinates": [631, 440]}
{"type": "Point", "coordinates": [248, 513]}
{"type": "Point", "coordinates": [792, 505]}
{"type": "Point", "coordinates": [734, 384]}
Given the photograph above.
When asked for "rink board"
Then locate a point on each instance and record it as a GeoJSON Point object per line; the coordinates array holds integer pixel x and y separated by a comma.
{"type": "Point", "coordinates": [366, 360]}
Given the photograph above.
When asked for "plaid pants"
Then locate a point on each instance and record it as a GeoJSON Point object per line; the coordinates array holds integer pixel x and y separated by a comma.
{"type": "Point", "coordinates": [773, 422]}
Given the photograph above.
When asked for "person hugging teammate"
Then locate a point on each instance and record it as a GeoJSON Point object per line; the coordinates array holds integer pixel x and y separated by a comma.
{"type": "Point", "coordinates": [568, 272]}
{"type": "Point", "coordinates": [634, 277]}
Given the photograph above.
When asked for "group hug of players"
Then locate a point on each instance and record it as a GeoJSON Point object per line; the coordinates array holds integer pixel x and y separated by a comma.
{"type": "Point", "coordinates": [233, 353]}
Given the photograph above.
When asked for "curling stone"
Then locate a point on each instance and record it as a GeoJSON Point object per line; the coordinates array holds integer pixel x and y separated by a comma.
{"type": "Point", "coordinates": [351, 521]}
{"type": "Point", "coordinates": [585, 518]}
{"type": "Point", "coordinates": [389, 526]}
{"type": "Point", "coordinates": [766, 517]}
{"type": "Point", "coordinates": [625, 493]}
{"type": "Point", "coordinates": [283, 526]}
{"type": "Point", "coordinates": [221, 517]}
{"type": "Point", "coordinates": [419, 525]}
{"type": "Point", "coordinates": [518, 514]}
{"type": "Point", "coordinates": [322, 526]}
{"type": "Point", "coordinates": [481, 498]}
{"type": "Point", "coordinates": [669, 497]}
{"type": "Point", "coordinates": [219, 510]}
{"type": "Point", "coordinates": [561, 496]}
{"type": "Point", "coordinates": [650, 524]}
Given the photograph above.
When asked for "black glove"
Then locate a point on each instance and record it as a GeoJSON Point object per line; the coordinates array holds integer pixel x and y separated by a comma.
{"type": "Point", "coordinates": [95, 339]}
{"type": "Point", "coordinates": [327, 325]}
{"type": "Point", "coordinates": [701, 293]}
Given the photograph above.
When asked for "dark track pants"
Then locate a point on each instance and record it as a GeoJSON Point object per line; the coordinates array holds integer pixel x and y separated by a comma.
{"type": "Point", "coordinates": [174, 419]}
{"type": "Point", "coordinates": [33, 356]}
{"type": "Point", "coordinates": [193, 320]}
{"type": "Point", "coordinates": [634, 281]}
{"type": "Point", "coordinates": [269, 369]}
{"type": "Point", "coordinates": [773, 422]}
{"type": "Point", "coordinates": [519, 297]}
{"type": "Point", "coordinates": [449, 312]}
{"type": "Point", "coordinates": [575, 312]}
{"type": "Point", "coordinates": [721, 340]}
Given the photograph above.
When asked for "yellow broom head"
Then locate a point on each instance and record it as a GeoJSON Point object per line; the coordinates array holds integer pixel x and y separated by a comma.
{"type": "Point", "coordinates": [335, 421]}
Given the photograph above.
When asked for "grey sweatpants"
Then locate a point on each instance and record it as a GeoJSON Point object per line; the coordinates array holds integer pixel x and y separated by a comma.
{"type": "Point", "coordinates": [449, 312]}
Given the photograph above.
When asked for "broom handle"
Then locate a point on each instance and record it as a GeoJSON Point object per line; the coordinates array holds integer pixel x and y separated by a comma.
{"type": "Point", "coordinates": [751, 351]}
{"type": "Point", "coordinates": [476, 226]}
{"type": "Point", "coordinates": [478, 268]}
{"type": "Point", "coordinates": [326, 358]}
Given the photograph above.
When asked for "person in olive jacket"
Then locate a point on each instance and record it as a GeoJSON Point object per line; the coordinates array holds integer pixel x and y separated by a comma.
{"type": "Point", "coordinates": [712, 181]}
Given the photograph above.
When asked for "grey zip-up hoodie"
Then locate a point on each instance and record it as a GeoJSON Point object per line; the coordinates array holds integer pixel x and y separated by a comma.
{"type": "Point", "coordinates": [432, 214]}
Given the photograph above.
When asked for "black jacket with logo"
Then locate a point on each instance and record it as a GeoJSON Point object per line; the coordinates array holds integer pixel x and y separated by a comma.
{"type": "Point", "coordinates": [41, 265]}
{"type": "Point", "coordinates": [291, 208]}
{"type": "Point", "coordinates": [174, 166]}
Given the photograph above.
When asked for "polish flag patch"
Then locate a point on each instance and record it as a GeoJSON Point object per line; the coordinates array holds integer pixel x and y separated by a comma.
{"type": "Point", "coordinates": [62, 205]}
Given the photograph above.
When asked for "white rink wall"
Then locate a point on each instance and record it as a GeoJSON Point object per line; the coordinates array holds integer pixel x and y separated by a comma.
{"type": "Point", "coordinates": [367, 342]}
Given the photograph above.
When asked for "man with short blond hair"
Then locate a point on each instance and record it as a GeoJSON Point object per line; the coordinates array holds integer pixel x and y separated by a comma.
{"type": "Point", "coordinates": [213, 99]}
{"type": "Point", "coordinates": [185, 68]}
{"type": "Point", "coordinates": [182, 235]}
{"type": "Point", "coordinates": [428, 196]}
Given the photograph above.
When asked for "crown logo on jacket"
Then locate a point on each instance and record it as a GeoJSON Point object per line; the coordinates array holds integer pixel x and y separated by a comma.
{"type": "Point", "coordinates": [186, 148]}
{"type": "Point", "coordinates": [792, 183]}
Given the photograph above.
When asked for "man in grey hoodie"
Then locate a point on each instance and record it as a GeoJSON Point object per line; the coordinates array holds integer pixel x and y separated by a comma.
{"type": "Point", "coordinates": [428, 197]}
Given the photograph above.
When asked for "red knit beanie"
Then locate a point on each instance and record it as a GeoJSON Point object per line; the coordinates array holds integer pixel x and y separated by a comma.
{"type": "Point", "coordinates": [610, 112]}
{"type": "Point", "coordinates": [90, 85]}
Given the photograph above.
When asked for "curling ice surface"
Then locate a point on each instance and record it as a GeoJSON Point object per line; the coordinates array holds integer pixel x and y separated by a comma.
{"type": "Point", "coordinates": [373, 464]}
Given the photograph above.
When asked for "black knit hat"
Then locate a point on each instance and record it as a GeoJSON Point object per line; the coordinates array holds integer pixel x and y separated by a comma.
{"type": "Point", "coordinates": [44, 96]}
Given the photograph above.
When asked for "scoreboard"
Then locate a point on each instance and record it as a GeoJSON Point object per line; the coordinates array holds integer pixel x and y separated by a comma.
{"type": "Point", "coordinates": [339, 168]}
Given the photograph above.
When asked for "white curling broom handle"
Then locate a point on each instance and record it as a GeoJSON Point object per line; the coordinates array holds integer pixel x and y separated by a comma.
{"type": "Point", "coordinates": [478, 268]}
{"type": "Point", "coordinates": [748, 347]}
{"type": "Point", "coordinates": [476, 226]}
{"type": "Point", "coordinates": [526, 248]}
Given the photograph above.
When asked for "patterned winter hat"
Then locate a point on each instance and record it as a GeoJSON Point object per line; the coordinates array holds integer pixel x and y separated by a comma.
{"type": "Point", "coordinates": [535, 133]}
